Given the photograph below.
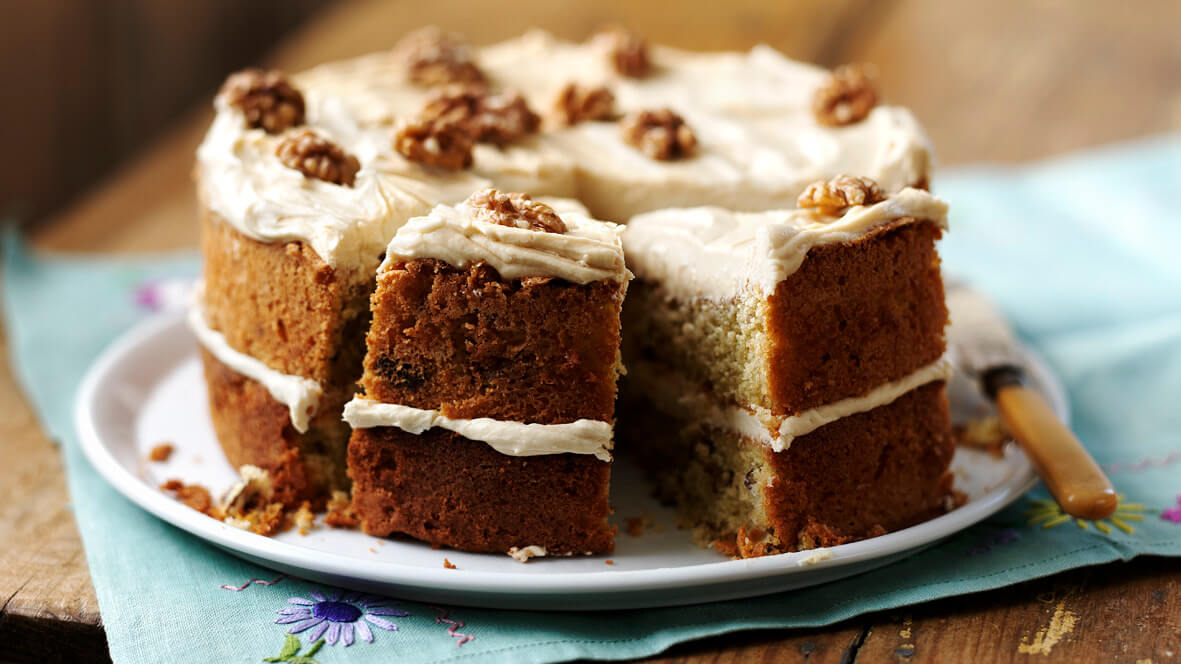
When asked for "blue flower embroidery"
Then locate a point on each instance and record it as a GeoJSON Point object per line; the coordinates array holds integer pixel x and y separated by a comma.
{"type": "Point", "coordinates": [341, 617]}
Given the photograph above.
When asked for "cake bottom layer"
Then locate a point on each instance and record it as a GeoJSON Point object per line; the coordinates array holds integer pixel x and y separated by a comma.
{"type": "Point", "coordinates": [861, 476]}
{"type": "Point", "coordinates": [254, 428]}
{"type": "Point", "coordinates": [445, 489]}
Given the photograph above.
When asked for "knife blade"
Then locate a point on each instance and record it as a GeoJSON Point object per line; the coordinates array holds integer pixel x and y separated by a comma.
{"type": "Point", "coordinates": [984, 347]}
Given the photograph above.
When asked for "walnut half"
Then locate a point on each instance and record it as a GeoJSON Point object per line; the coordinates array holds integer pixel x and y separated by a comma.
{"type": "Point", "coordinates": [843, 191]}
{"type": "Point", "coordinates": [576, 103]}
{"type": "Point", "coordinates": [499, 119]}
{"type": "Point", "coordinates": [660, 134]}
{"type": "Point", "coordinates": [317, 157]}
{"type": "Point", "coordinates": [627, 51]}
{"type": "Point", "coordinates": [434, 57]}
{"type": "Point", "coordinates": [267, 99]}
{"type": "Point", "coordinates": [435, 143]}
{"type": "Point", "coordinates": [847, 98]}
{"type": "Point", "coordinates": [516, 210]}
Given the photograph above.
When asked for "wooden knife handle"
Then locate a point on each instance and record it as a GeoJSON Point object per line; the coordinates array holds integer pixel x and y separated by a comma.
{"type": "Point", "coordinates": [1073, 477]}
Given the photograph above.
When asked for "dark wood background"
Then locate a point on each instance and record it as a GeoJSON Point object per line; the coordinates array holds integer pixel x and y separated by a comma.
{"type": "Point", "coordinates": [88, 83]}
{"type": "Point", "coordinates": [998, 80]}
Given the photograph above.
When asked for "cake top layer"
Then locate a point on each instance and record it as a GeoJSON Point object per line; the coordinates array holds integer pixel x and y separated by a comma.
{"type": "Point", "coordinates": [742, 128]}
{"type": "Point", "coordinates": [516, 236]}
{"type": "Point", "coordinates": [717, 253]}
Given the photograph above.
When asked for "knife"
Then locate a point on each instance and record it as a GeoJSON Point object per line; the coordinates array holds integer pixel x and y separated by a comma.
{"type": "Point", "coordinates": [985, 348]}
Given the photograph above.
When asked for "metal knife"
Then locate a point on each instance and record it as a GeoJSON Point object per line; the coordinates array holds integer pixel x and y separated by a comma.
{"type": "Point", "coordinates": [985, 348]}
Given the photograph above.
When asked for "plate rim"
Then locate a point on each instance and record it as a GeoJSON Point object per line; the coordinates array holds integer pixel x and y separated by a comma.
{"type": "Point", "coordinates": [479, 582]}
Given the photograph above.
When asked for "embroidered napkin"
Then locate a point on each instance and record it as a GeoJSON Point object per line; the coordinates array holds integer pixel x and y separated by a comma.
{"type": "Point", "coordinates": [1080, 251]}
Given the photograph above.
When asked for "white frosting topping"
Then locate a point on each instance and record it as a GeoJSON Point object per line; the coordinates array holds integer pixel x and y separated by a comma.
{"type": "Point", "coordinates": [243, 181]}
{"type": "Point", "coordinates": [510, 438]}
{"type": "Point", "coordinates": [711, 252]}
{"type": "Point", "coordinates": [758, 145]}
{"type": "Point", "coordinates": [678, 396]}
{"type": "Point", "coordinates": [588, 251]}
{"type": "Point", "coordinates": [300, 395]}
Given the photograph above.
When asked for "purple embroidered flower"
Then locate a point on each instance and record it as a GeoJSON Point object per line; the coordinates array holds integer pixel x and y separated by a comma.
{"type": "Point", "coordinates": [341, 617]}
{"type": "Point", "coordinates": [1173, 514]}
{"type": "Point", "coordinates": [163, 294]}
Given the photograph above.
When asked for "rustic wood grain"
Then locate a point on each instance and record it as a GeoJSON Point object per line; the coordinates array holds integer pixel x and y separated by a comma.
{"type": "Point", "coordinates": [1123, 612]}
{"type": "Point", "coordinates": [44, 582]}
{"type": "Point", "coordinates": [1005, 80]}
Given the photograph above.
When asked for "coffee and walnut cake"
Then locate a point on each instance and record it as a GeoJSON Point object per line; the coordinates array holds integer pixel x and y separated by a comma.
{"type": "Point", "coordinates": [403, 249]}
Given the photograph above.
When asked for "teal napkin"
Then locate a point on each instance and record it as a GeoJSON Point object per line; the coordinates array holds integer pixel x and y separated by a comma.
{"type": "Point", "coordinates": [1080, 251]}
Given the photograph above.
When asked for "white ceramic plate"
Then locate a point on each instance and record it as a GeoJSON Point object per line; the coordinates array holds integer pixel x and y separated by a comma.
{"type": "Point", "coordinates": [147, 389]}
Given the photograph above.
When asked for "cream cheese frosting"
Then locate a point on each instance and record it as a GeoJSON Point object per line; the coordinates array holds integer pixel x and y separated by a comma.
{"type": "Point", "coordinates": [677, 395]}
{"type": "Point", "coordinates": [300, 395]}
{"type": "Point", "coordinates": [588, 251]}
{"type": "Point", "coordinates": [511, 438]}
{"type": "Point", "coordinates": [758, 145]}
{"type": "Point", "coordinates": [712, 252]}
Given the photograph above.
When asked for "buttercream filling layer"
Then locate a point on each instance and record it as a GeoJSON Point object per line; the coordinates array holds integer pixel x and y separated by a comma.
{"type": "Point", "coordinates": [507, 437]}
{"type": "Point", "coordinates": [679, 396]}
{"type": "Point", "coordinates": [300, 395]}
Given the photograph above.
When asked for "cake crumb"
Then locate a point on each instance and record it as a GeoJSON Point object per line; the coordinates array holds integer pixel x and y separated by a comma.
{"type": "Point", "coordinates": [608, 562]}
{"type": "Point", "coordinates": [193, 496]}
{"type": "Point", "coordinates": [816, 556]}
{"type": "Point", "coordinates": [447, 564]}
{"type": "Point", "coordinates": [638, 525]}
{"type": "Point", "coordinates": [161, 452]}
{"type": "Point", "coordinates": [304, 518]}
{"type": "Point", "coordinates": [340, 511]}
{"type": "Point", "coordinates": [987, 433]}
{"type": "Point", "coordinates": [522, 555]}
{"type": "Point", "coordinates": [954, 500]}
{"type": "Point", "coordinates": [372, 550]}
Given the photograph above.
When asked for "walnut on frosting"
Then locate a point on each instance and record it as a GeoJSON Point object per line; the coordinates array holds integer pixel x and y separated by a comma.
{"type": "Point", "coordinates": [847, 98]}
{"type": "Point", "coordinates": [499, 119]}
{"type": "Point", "coordinates": [843, 191]}
{"type": "Point", "coordinates": [435, 143]}
{"type": "Point", "coordinates": [434, 57]}
{"type": "Point", "coordinates": [577, 103]}
{"type": "Point", "coordinates": [660, 134]}
{"type": "Point", "coordinates": [317, 157]}
{"type": "Point", "coordinates": [266, 97]}
{"type": "Point", "coordinates": [627, 51]}
{"type": "Point", "coordinates": [515, 209]}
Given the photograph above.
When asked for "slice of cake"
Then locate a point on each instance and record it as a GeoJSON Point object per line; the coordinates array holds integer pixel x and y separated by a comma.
{"type": "Point", "coordinates": [486, 419]}
{"type": "Point", "coordinates": [799, 358]}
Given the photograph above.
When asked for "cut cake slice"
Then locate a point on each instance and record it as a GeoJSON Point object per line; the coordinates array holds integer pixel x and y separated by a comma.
{"type": "Point", "coordinates": [796, 359]}
{"type": "Point", "coordinates": [486, 422]}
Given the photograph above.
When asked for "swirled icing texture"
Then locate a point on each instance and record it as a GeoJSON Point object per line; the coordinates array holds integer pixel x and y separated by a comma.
{"type": "Point", "coordinates": [758, 145]}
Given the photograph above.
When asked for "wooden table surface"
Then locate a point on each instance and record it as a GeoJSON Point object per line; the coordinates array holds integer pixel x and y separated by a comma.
{"type": "Point", "coordinates": [1004, 80]}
